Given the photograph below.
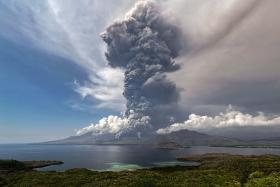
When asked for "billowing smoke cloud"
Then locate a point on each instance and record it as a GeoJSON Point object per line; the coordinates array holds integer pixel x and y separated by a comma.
{"type": "Point", "coordinates": [111, 125]}
{"type": "Point", "coordinates": [226, 55]}
{"type": "Point", "coordinates": [231, 118]}
{"type": "Point", "coordinates": [144, 44]}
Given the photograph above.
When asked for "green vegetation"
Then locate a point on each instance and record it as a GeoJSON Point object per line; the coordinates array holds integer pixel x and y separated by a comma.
{"type": "Point", "coordinates": [215, 170]}
{"type": "Point", "coordinates": [14, 165]}
{"type": "Point", "coordinates": [11, 165]}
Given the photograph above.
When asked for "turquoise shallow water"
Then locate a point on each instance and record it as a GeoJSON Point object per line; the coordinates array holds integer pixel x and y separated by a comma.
{"type": "Point", "coordinates": [113, 157]}
{"type": "Point", "coordinates": [117, 166]}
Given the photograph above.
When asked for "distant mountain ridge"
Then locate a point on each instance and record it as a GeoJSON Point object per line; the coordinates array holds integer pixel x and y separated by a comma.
{"type": "Point", "coordinates": [183, 138]}
{"type": "Point", "coordinates": [193, 138]}
{"type": "Point", "coordinates": [246, 133]}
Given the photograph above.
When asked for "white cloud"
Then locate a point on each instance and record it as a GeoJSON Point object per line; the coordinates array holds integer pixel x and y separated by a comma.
{"type": "Point", "coordinates": [82, 23]}
{"type": "Point", "coordinates": [106, 86]}
{"type": "Point", "coordinates": [115, 125]}
{"type": "Point", "coordinates": [110, 124]}
{"type": "Point", "coordinates": [231, 118]}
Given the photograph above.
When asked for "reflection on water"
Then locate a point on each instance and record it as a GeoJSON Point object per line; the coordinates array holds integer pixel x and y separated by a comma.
{"type": "Point", "coordinates": [100, 157]}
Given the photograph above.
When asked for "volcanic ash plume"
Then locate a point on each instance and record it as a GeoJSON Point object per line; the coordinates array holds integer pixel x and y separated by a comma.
{"type": "Point", "coordinates": [144, 44]}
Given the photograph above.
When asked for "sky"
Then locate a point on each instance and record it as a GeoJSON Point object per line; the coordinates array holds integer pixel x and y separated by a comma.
{"type": "Point", "coordinates": [55, 80]}
{"type": "Point", "coordinates": [41, 62]}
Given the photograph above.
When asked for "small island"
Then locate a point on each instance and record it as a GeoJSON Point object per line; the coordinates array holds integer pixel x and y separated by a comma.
{"type": "Point", "coordinates": [169, 145]}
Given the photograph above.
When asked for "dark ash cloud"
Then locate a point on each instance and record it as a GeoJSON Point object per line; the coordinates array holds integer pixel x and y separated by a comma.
{"type": "Point", "coordinates": [144, 44]}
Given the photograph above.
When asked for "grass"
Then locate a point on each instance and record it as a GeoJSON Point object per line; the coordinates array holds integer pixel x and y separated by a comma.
{"type": "Point", "coordinates": [216, 170]}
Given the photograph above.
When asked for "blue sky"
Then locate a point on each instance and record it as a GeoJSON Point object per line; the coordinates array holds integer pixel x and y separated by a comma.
{"type": "Point", "coordinates": [37, 94]}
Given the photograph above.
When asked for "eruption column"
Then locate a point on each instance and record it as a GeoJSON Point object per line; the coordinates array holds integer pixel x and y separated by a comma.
{"type": "Point", "coordinates": [144, 44]}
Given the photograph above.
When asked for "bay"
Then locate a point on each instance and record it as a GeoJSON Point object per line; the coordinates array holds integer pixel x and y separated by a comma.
{"type": "Point", "coordinates": [114, 157]}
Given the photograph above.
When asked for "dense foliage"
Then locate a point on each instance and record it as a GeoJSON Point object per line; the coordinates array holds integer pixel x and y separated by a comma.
{"type": "Point", "coordinates": [11, 165]}
{"type": "Point", "coordinates": [14, 165]}
{"type": "Point", "coordinates": [215, 170]}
